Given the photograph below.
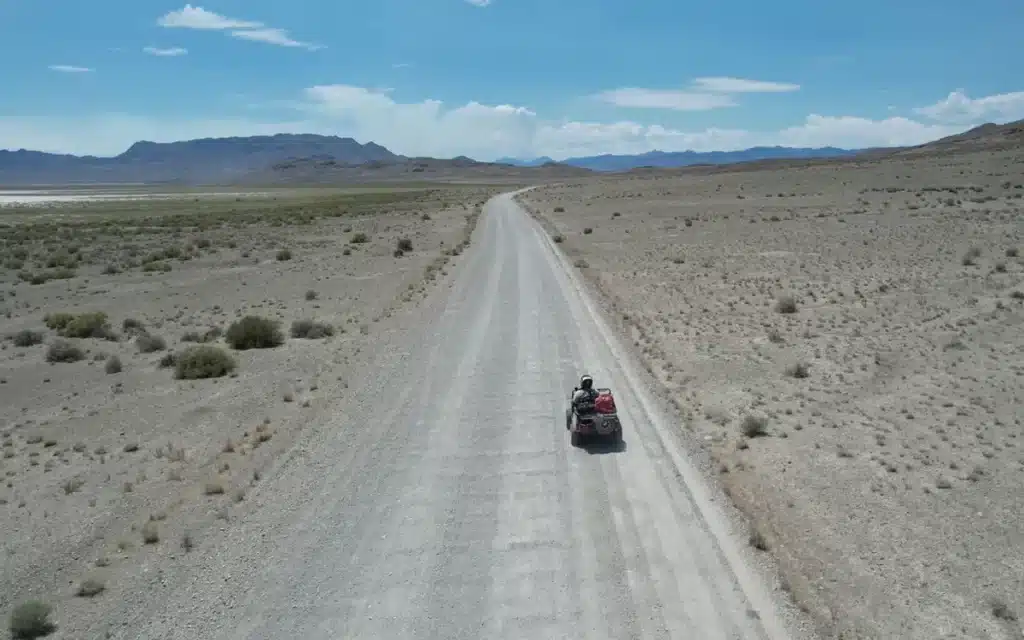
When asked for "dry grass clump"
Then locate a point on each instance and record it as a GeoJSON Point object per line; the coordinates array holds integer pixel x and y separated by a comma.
{"type": "Point", "coordinates": [359, 238]}
{"type": "Point", "coordinates": [92, 324]}
{"type": "Point", "coordinates": [31, 620]}
{"type": "Point", "coordinates": [90, 587]}
{"type": "Point", "coordinates": [404, 245]}
{"type": "Point", "coordinates": [284, 254]}
{"type": "Point", "coordinates": [254, 332]}
{"type": "Point", "coordinates": [311, 330]}
{"type": "Point", "coordinates": [202, 361]}
{"type": "Point", "coordinates": [798, 370]}
{"type": "Point", "coordinates": [64, 351]}
{"type": "Point", "coordinates": [971, 257]}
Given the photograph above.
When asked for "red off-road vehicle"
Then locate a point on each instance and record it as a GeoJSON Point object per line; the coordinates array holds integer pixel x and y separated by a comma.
{"type": "Point", "coordinates": [593, 417]}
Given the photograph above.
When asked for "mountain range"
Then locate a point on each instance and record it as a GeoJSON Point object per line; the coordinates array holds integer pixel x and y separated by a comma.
{"type": "Point", "coordinates": [670, 159]}
{"type": "Point", "coordinates": [299, 158]}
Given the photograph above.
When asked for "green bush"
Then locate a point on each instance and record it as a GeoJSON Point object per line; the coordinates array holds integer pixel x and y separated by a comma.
{"type": "Point", "coordinates": [311, 330]}
{"type": "Point", "coordinates": [27, 338]}
{"type": "Point", "coordinates": [253, 332]}
{"type": "Point", "coordinates": [63, 351]}
{"type": "Point", "coordinates": [92, 324]}
{"type": "Point", "coordinates": [360, 238]}
{"type": "Point", "coordinates": [31, 620]}
{"type": "Point", "coordinates": [404, 245]}
{"type": "Point", "coordinates": [148, 343]}
{"type": "Point", "coordinates": [284, 254]}
{"type": "Point", "coordinates": [57, 321]}
{"type": "Point", "coordinates": [202, 361]}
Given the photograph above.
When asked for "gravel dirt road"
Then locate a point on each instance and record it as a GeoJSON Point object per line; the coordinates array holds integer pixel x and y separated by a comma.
{"type": "Point", "coordinates": [451, 505]}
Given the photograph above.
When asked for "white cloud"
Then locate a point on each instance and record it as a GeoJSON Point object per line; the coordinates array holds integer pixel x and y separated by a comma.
{"type": "Point", "coordinates": [479, 3]}
{"type": "Point", "coordinates": [704, 94]}
{"type": "Point", "coordinates": [432, 128]}
{"type": "Point", "coordinates": [401, 65]}
{"type": "Point", "coordinates": [270, 35]}
{"type": "Point", "coordinates": [170, 52]}
{"type": "Point", "coordinates": [198, 18]}
{"type": "Point", "coordinates": [633, 97]}
{"type": "Point", "coordinates": [741, 85]}
{"type": "Point", "coordinates": [67, 68]}
{"type": "Point", "coordinates": [957, 107]}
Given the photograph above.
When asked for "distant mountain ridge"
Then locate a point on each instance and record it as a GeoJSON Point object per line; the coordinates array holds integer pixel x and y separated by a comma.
{"type": "Point", "coordinates": [670, 159]}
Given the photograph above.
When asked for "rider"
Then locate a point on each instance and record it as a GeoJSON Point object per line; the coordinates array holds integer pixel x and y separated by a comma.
{"type": "Point", "coordinates": [585, 391]}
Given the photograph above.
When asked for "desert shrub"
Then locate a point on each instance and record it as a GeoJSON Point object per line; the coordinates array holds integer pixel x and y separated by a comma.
{"type": "Point", "coordinates": [113, 365]}
{"type": "Point", "coordinates": [580, 263]}
{"type": "Point", "coordinates": [359, 238]}
{"type": "Point", "coordinates": [168, 360]}
{"type": "Point", "coordinates": [284, 254]}
{"type": "Point", "coordinates": [253, 332]}
{"type": "Point", "coordinates": [156, 266]}
{"type": "Point", "coordinates": [754, 426]}
{"type": "Point", "coordinates": [971, 257]}
{"type": "Point", "coordinates": [131, 325]}
{"type": "Point", "coordinates": [90, 587]}
{"type": "Point", "coordinates": [559, 209]}
{"type": "Point", "coordinates": [558, 238]}
{"type": "Point", "coordinates": [798, 370]}
{"type": "Point", "coordinates": [57, 321]}
{"type": "Point", "coordinates": [202, 361]}
{"type": "Point", "coordinates": [31, 620]}
{"type": "Point", "coordinates": [92, 324]}
{"type": "Point", "coordinates": [786, 304]}
{"type": "Point", "coordinates": [587, 231]}
{"type": "Point", "coordinates": [192, 336]}
{"type": "Point", "coordinates": [27, 338]}
{"type": "Point", "coordinates": [1012, 252]}
{"type": "Point", "coordinates": [63, 351]}
{"type": "Point", "coordinates": [404, 245]}
{"type": "Point", "coordinates": [311, 330]}
{"type": "Point", "coordinates": [148, 343]}
{"type": "Point", "coordinates": [312, 295]}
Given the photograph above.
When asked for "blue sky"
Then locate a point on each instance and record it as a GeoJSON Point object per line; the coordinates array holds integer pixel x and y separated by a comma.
{"type": "Point", "coordinates": [508, 77]}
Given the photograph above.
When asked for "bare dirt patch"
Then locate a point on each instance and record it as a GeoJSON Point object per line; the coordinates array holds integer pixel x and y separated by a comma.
{"type": "Point", "coordinates": [138, 404]}
{"type": "Point", "coordinates": [846, 340]}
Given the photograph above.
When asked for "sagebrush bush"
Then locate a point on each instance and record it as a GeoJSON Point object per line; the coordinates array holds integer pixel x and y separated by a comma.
{"type": "Point", "coordinates": [754, 426]}
{"type": "Point", "coordinates": [311, 330]}
{"type": "Point", "coordinates": [284, 254]}
{"type": "Point", "coordinates": [57, 321]}
{"type": "Point", "coordinates": [149, 343]}
{"type": "Point", "coordinates": [92, 324]}
{"type": "Point", "coordinates": [202, 361]}
{"type": "Point", "coordinates": [113, 365]}
{"type": "Point", "coordinates": [64, 351]}
{"type": "Point", "coordinates": [360, 238]}
{"type": "Point", "coordinates": [27, 338]}
{"type": "Point", "coordinates": [253, 332]}
{"type": "Point", "coordinates": [786, 304]}
{"type": "Point", "coordinates": [31, 620]}
{"type": "Point", "coordinates": [404, 245]}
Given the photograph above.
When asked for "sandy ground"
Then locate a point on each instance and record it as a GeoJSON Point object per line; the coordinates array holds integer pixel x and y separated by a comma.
{"type": "Point", "coordinates": [98, 465]}
{"type": "Point", "coordinates": [872, 432]}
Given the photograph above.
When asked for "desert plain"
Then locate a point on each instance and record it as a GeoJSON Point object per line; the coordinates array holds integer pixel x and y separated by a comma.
{"type": "Point", "coordinates": [134, 420]}
{"type": "Point", "coordinates": [844, 340]}
{"type": "Point", "coordinates": [841, 340]}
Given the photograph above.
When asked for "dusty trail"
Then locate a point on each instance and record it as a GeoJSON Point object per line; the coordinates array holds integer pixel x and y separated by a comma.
{"type": "Point", "coordinates": [451, 506]}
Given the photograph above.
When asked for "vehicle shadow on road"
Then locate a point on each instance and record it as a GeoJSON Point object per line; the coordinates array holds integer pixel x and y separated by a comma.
{"type": "Point", "coordinates": [603, 448]}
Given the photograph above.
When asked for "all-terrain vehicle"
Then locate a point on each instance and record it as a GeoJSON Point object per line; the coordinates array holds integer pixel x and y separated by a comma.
{"type": "Point", "coordinates": [593, 418]}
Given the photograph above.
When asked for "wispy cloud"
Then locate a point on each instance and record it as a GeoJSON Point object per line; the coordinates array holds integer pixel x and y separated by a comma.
{"type": "Point", "coordinates": [703, 94]}
{"type": "Point", "coordinates": [271, 35]}
{"type": "Point", "coordinates": [634, 97]}
{"type": "Point", "coordinates": [401, 65]}
{"type": "Point", "coordinates": [479, 3]}
{"type": "Point", "coordinates": [742, 85]}
{"type": "Point", "coordinates": [173, 51]}
{"type": "Point", "coordinates": [67, 68]}
{"type": "Point", "coordinates": [198, 18]}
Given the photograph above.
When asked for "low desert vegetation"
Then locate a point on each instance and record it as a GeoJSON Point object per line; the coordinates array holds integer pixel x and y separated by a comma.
{"type": "Point", "coordinates": [202, 361]}
{"type": "Point", "coordinates": [64, 351]}
{"type": "Point", "coordinates": [311, 330]}
{"type": "Point", "coordinates": [254, 332]}
{"type": "Point", "coordinates": [31, 620]}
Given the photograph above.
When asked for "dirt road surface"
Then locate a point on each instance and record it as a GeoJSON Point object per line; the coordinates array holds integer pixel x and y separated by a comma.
{"type": "Point", "coordinates": [451, 505]}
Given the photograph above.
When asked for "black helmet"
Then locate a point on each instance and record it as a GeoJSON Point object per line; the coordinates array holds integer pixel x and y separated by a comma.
{"type": "Point", "coordinates": [586, 382]}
